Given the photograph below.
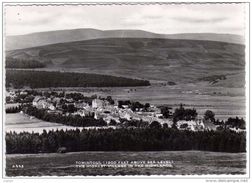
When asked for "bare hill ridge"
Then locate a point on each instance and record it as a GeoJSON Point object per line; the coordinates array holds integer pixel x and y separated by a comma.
{"type": "Point", "coordinates": [61, 36]}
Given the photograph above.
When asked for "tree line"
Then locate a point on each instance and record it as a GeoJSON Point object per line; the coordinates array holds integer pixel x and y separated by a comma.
{"type": "Point", "coordinates": [236, 123]}
{"type": "Point", "coordinates": [133, 105]}
{"type": "Point", "coordinates": [137, 139]}
{"type": "Point", "coordinates": [70, 120]}
{"type": "Point", "coordinates": [45, 79]}
{"type": "Point", "coordinates": [17, 63]}
{"type": "Point", "coordinates": [15, 109]}
{"type": "Point", "coordinates": [184, 114]}
{"type": "Point", "coordinates": [179, 114]}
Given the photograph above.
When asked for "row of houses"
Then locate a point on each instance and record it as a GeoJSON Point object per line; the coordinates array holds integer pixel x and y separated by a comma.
{"type": "Point", "coordinates": [100, 108]}
{"type": "Point", "coordinates": [103, 109]}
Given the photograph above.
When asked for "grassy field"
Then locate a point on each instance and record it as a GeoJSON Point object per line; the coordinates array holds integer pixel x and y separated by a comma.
{"type": "Point", "coordinates": [184, 163]}
{"type": "Point", "coordinates": [20, 122]}
{"type": "Point", "coordinates": [225, 102]}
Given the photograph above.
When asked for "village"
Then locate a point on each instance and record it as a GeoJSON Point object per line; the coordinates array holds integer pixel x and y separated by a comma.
{"type": "Point", "coordinates": [113, 112]}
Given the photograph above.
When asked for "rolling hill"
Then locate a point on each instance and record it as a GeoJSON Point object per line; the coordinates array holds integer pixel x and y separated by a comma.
{"type": "Point", "coordinates": [169, 60]}
{"type": "Point", "coordinates": [61, 36]}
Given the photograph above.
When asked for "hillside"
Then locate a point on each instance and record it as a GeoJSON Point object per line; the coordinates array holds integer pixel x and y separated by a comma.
{"type": "Point", "coordinates": [179, 61]}
{"type": "Point", "coordinates": [61, 36]}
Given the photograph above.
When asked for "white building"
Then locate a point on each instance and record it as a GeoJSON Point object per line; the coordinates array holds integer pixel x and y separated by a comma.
{"type": "Point", "coordinates": [97, 103]}
{"type": "Point", "coordinates": [36, 100]}
{"type": "Point", "coordinates": [51, 107]}
{"type": "Point", "coordinates": [41, 103]}
{"type": "Point", "coordinates": [23, 93]}
{"type": "Point", "coordinates": [208, 125]}
{"type": "Point", "coordinates": [193, 125]}
{"type": "Point", "coordinates": [81, 105]}
{"type": "Point", "coordinates": [126, 116]}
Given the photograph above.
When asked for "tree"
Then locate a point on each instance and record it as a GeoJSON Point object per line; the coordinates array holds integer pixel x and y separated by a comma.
{"type": "Point", "coordinates": [236, 122]}
{"type": "Point", "coordinates": [69, 108]}
{"type": "Point", "coordinates": [184, 114]}
{"type": "Point", "coordinates": [17, 63]}
{"type": "Point", "coordinates": [136, 105]}
{"type": "Point", "coordinates": [123, 102]}
{"type": "Point", "coordinates": [174, 125]}
{"type": "Point", "coordinates": [122, 139]}
{"type": "Point", "coordinates": [155, 124]}
{"type": "Point", "coordinates": [45, 79]}
{"type": "Point", "coordinates": [112, 122]}
{"type": "Point", "coordinates": [209, 115]}
{"type": "Point", "coordinates": [179, 113]}
{"type": "Point", "coordinates": [165, 125]}
{"type": "Point", "coordinates": [110, 100]}
{"type": "Point", "coordinates": [185, 125]}
{"type": "Point", "coordinates": [146, 106]}
{"type": "Point", "coordinates": [166, 112]}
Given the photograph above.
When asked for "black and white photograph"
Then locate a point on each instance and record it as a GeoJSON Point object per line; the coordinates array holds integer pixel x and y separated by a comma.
{"type": "Point", "coordinates": [125, 89]}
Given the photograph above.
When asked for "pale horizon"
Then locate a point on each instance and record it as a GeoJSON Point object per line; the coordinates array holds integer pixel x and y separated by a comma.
{"type": "Point", "coordinates": [159, 19]}
{"type": "Point", "coordinates": [122, 30]}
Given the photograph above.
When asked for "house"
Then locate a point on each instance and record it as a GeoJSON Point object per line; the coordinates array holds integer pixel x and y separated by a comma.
{"type": "Point", "coordinates": [155, 109]}
{"type": "Point", "coordinates": [54, 111]}
{"type": "Point", "coordinates": [125, 106]}
{"type": "Point", "coordinates": [69, 100]}
{"type": "Point", "coordinates": [97, 103]}
{"type": "Point", "coordinates": [208, 125]}
{"type": "Point", "coordinates": [23, 93]}
{"type": "Point", "coordinates": [56, 100]}
{"type": "Point", "coordinates": [83, 113]}
{"type": "Point", "coordinates": [80, 105]}
{"type": "Point", "coordinates": [36, 100]}
{"type": "Point", "coordinates": [99, 115]}
{"type": "Point", "coordinates": [45, 105]}
{"type": "Point", "coordinates": [200, 124]}
{"type": "Point", "coordinates": [88, 108]}
{"type": "Point", "coordinates": [237, 130]}
{"type": "Point", "coordinates": [11, 93]}
{"type": "Point", "coordinates": [51, 107]}
{"type": "Point", "coordinates": [158, 115]}
{"type": "Point", "coordinates": [193, 125]}
{"type": "Point", "coordinates": [109, 118]}
{"type": "Point", "coordinates": [80, 112]}
{"type": "Point", "coordinates": [116, 103]}
{"type": "Point", "coordinates": [126, 114]}
{"type": "Point", "coordinates": [42, 103]}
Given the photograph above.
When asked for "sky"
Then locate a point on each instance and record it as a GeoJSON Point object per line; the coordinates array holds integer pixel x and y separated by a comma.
{"type": "Point", "coordinates": [164, 19]}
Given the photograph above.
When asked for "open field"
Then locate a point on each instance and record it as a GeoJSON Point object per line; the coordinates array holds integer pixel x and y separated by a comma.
{"type": "Point", "coordinates": [224, 102]}
{"type": "Point", "coordinates": [184, 163]}
{"type": "Point", "coordinates": [20, 122]}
